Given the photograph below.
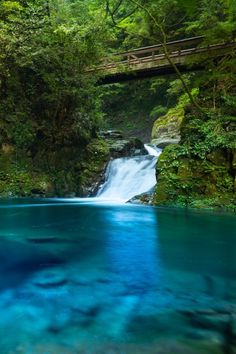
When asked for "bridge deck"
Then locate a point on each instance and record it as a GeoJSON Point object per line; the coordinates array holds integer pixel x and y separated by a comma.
{"type": "Point", "coordinates": [151, 61]}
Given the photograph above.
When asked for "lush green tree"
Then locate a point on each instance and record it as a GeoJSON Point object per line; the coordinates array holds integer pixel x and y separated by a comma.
{"type": "Point", "coordinates": [48, 99]}
{"type": "Point", "coordinates": [49, 104]}
{"type": "Point", "coordinates": [45, 51]}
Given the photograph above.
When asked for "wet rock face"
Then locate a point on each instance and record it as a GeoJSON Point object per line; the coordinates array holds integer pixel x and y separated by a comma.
{"type": "Point", "coordinates": [92, 167]}
{"type": "Point", "coordinates": [166, 129]}
{"type": "Point", "coordinates": [144, 198]}
{"type": "Point", "coordinates": [111, 134]}
{"type": "Point", "coordinates": [120, 147]}
{"type": "Point", "coordinates": [125, 148]}
{"type": "Point", "coordinates": [162, 142]}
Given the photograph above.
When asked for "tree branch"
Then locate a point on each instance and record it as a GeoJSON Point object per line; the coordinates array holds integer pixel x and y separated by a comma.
{"type": "Point", "coordinates": [163, 43]}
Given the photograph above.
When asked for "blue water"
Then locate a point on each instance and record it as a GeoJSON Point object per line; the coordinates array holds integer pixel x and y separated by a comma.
{"type": "Point", "coordinates": [106, 278]}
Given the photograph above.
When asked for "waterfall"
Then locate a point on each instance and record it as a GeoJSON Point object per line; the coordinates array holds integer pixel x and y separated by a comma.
{"type": "Point", "coordinates": [152, 150]}
{"type": "Point", "coordinates": [130, 176]}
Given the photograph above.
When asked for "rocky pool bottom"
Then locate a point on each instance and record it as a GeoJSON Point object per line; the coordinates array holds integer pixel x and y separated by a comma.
{"type": "Point", "coordinates": [99, 278]}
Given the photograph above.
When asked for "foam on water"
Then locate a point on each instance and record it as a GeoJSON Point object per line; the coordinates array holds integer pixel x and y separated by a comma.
{"type": "Point", "coordinates": [130, 176]}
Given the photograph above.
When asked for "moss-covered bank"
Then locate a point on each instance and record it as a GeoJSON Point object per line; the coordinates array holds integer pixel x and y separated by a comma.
{"type": "Point", "coordinates": [67, 170]}
{"type": "Point", "coordinates": [200, 172]}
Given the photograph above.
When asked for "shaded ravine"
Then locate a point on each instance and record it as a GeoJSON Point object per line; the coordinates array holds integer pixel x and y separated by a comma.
{"type": "Point", "coordinates": [125, 178]}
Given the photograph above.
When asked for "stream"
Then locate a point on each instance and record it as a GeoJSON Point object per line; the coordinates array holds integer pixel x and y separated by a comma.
{"type": "Point", "coordinates": [98, 276]}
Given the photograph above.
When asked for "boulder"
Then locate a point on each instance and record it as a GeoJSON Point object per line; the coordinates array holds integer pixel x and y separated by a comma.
{"type": "Point", "coordinates": [144, 198]}
{"type": "Point", "coordinates": [111, 134]}
{"type": "Point", "coordinates": [120, 147]}
{"type": "Point", "coordinates": [166, 129]}
{"type": "Point", "coordinates": [125, 148]}
{"type": "Point", "coordinates": [161, 143]}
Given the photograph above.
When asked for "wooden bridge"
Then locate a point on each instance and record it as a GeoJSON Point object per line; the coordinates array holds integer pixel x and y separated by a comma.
{"type": "Point", "coordinates": [152, 61]}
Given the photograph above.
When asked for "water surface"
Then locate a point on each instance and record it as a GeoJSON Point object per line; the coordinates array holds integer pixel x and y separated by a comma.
{"type": "Point", "coordinates": [107, 278]}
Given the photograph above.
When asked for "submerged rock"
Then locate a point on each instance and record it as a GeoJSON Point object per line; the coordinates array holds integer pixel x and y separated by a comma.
{"type": "Point", "coordinates": [85, 302]}
{"type": "Point", "coordinates": [19, 260]}
{"type": "Point", "coordinates": [209, 336]}
{"type": "Point", "coordinates": [213, 321]}
{"type": "Point", "coordinates": [50, 279]}
{"type": "Point", "coordinates": [43, 239]}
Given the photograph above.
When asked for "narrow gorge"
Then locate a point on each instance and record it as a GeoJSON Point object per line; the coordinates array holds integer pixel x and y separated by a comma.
{"type": "Point", "coordinates": [117, 177]}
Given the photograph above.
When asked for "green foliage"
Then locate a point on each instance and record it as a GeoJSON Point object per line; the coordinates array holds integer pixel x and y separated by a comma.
{"type": "Point", "coordinates": [199, 172]}
{"type": "Point", "coordinates": [18, 178]}
{"type": "Point", "coordinates": [43, 63]}
{"type": "Point", "coordinates": [47, 100]}
{"type": "Point", "coordinates": [175, 86]}
{"type": "Point", "coordinates": [50, 105]}
{"type": "Point", "coordinates": [215, 19]}
{"type": "Point", "coordinates": [139, 98]}
{"type": "Point", "coordinates": [9, 9]}
{"type": "Point", "coordinates": [188, 181]}
{"type": "Point", "coordinates": [203, 136]}
{"type": "Point", "coordinates": [158, 111]}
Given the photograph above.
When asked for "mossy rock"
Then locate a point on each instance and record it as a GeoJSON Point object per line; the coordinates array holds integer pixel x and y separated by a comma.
{"type": "Point", "coordinates": [185, 180]}
{"type": "Point", "coordinates": [92, 166]}
{"type": "Point", "coordinates": [166, 129]}
{"type": "Point", "coordinates": [200, 171]}
{"type": "Point", "coordinates": [67, 170]}
{"type": "Point", "coordinates": [25, 184]}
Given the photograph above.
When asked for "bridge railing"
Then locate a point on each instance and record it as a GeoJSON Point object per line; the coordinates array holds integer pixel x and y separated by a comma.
{"type": "Point", "coordinates": [150, 52]}
{"type": "Point", "coordinates": [154, 55]}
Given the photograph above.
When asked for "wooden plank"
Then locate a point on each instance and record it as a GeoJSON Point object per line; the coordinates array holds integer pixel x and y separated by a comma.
{"type": "Point", "coordinates": [158, 63]}
{"type": "Point", "coordinates": [133, 59]}
{"type": "Point", "coordinates": [179, 43]}
{"type": "Point", "coordinates": [158, 60]}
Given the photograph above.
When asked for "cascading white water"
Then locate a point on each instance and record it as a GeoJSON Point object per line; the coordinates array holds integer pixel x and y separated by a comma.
{"type": "Point", "coordinates": [152, 150]}
{"type": "Point", "coordinates": [130, 176]}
